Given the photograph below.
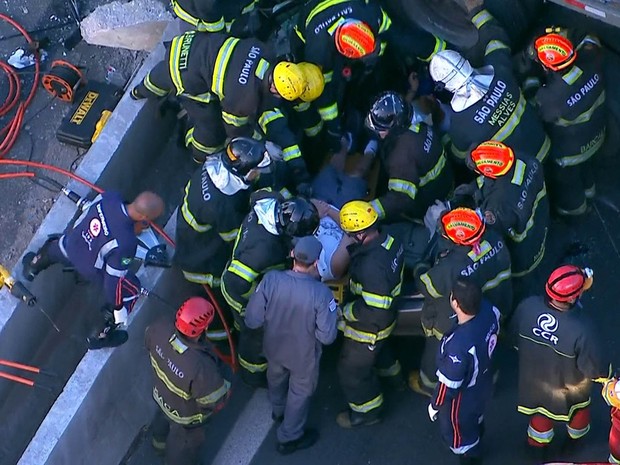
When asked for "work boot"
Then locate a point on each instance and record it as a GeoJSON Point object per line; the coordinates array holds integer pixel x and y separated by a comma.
{"type": "Point", "coordinates": [109, 336]}
{"type": "Point", "coordinates": [349, 419]}
{"type": "Point", "coordinates": [417, 385]}
{"type": "Point", "coordinates": [32, 265]}
{"type": "Point", "coordinates": [308, 439]}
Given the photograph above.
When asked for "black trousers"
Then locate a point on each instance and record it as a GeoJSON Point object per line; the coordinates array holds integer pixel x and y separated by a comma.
{"type": "Point", "coordinates": [570, 186]}
{"type": "Point", "coordinates": [252, 362]}
{"type": "Point", "coordinates": [183, 444]}
{"type": "Point", "coordinates": [428, 363]}
{"type": "Point", "coordinates": [358, 378]}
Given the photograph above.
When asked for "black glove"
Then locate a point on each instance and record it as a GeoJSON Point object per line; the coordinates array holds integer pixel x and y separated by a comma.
{"type": "Point", "coordinates": [135, 94]}
{"type": "Point", "coordinates": [465, 190]}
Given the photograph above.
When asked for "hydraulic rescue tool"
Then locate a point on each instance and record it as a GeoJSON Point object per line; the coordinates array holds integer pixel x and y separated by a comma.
{"type": "Point", "coordinates": [17, 289]}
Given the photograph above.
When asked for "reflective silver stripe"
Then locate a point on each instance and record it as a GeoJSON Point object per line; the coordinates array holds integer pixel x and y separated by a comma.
{"type": "Point", "coordinates": [493, 283]}
{"type": "Point", "coordinates": [518, 237]}
{"type": "Point", "coordinates": [573, 160]}
{"type": "Point", "coordinates": [585, 116]}
{"type": "Point", "coordinates": [104, 251]}
{"type": "Point", "coordinates": [513, 121]}
{"type": "Point", "coordinates": [572, 76]}
{"type": "Point", "coordinates": [461, 450]}
{"type": "Point", "coordinates": [519, 173]}
{"type": "Point", "coordinates": [215, 395]}
{"type": "Point", "coordinates": [435, 172]}
{"type": "Point", "coordinates": [115, 271]}
{"type": "Point", "coordinates": [202, 278]}
{"type": "Point", "coordinates": [61, 246]}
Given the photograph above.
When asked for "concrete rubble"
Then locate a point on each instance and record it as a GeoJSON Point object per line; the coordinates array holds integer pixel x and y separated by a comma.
{"type": "Point", "coordinates": [137, 25]}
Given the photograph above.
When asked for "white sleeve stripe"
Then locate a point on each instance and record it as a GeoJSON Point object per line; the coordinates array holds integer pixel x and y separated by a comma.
{"type": "Point", "coordinates": [447, 381]}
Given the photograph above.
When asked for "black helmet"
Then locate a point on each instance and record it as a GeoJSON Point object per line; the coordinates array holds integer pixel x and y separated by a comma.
{"type": "Point", "coordinates": [244, 154]}
{"type": "Point", "coordinates": [297, 217]}
{"type": "Point", "coordinates": [389, 111]}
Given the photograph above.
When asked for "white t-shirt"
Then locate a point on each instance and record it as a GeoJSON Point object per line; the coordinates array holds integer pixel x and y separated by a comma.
{"type": "Point", "coordinates": [329, 234]}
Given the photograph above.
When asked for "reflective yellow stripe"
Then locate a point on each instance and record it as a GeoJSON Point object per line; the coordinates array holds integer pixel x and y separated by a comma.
{"type": "Point", "coordinates": [571, 77]}
{"type": "Point", "coordinates": [539, 256]}
{"type": "Point", "coordinates": [314, 130]}
{"type": "Point", "coordinates": [214, 26]}
{"type": "Point", "coordinates": [499, 278]}
{"type": "Point", "coordinates": [215, 395]}
{"type": "Point", "coordinates": [367, 406]}
{"type": "Point", "coordinates": [580, 210]}
{"type": "Point", "coordinates": [153, 88]}
{"type": "Point", "coordinates": [388, 242]}
{"type": "Point", "coordinates": [303, 106]}
{"type": "Point", "coordinates": [221, 62]}
{"type": "Point", "coordinates": [386, 22]}
{"type": "Point", "coordinates": [582, 118]}
{"type": "Point", "coordinates": [237, 306]}
{"type": "Point", "coordinates": [481, 18]}
{"type": "Point", "coordinates": [290, 153]}
{"type": "Point", "coordinates": [435, 172]}
{"type": "Point", "coordinates": [484, 249]}
{"type": "Point", "coordinates": [460, 154]}
{"type": "Point", "coordinates": [541, 156]}
{"type": "Point", "coordinates": [330, 112]}
{"type": "Point", "coordinates": [182, 14]}
{"type": "Point", "coordinates": [541, 437]}
{"type": "Point", "coordinates": [261, 68]}
{"type": "Point", "coordinates": [508, 128]}
{"type": "Point", "coordinates": [519, 173]}
{"type": "Point", "coordinates": [207, 97]}
{"type": "Point", "coordinates": [382, 47]}
{"type": "Point", "coordinates": [480, 181]}
{"type": "Point", "coordinates": [377, 301]}
{"type": "Point", "coordinates": [217, 335]}
{"type": "Point", "coordinates": [243, 271]}
{"type": "Point", "coordinates": [573, 160]}
{"type": "Point", "coordinates": [267, 117]}
{"type": "Point", "coordinates": [327, 77]}
{"type": "Point", "coordinates": [173, 414]}
{"type": "Point", "coordinates": [440, 45]}
{"type": "Point", "coordinates": [577, 433]}
{"type": "Point", "coordinates": [233, 120]}
{"type": "Point", "coordinates": [190, 140]}
{"type": "Point", "coordinates": [230, 235]}
{"type": "Point", "coordinates": [322, 6]}
{"type": "Point", "coordinates": [495, 45]}
{"type": "Point", "coordinates": [519, 237]}
{"type": "Point", "coordinates": [299, 34]}
{"type": "Point", "coordinates": [252, 367]}
{"type": "Point", "coordinates": [202, 278]}
{"type": "Point", "coordinates": [249, 7]}
{"type": "Point", "coordinates": [430, 288]}
{"type": "Point", "coordinates": [189, 217]}
{"type": "Point", "coordinates": [347, 312]}
{"type": "Point", "coordinates": [363, 336]}
{"type": "Point", "coordinates": [404, 187]}
{"type": "Point", "coordinates": [553, 416]}
{"type": "Point", "coordinates": [177, 391]}
{"type": "Point", "coordinates": [376, 204]}
{"type": "Point", "coordinates": [173, 63]}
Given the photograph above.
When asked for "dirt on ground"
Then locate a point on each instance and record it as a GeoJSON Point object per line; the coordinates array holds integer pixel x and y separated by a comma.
{"type": "Point", "coordinates": [25, 204]}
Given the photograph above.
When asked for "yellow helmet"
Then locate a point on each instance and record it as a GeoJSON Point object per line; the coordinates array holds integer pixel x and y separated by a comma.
{"type": "Point", "coordinates": [357, 215]}
{"type": "Point", "coordinates": [315, 82]}
{"type": "Point", "coordinates": [289, 80]}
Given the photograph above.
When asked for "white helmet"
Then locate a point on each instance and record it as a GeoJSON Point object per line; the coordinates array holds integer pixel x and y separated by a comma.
{"type": "Point", "coordinates": [450, 68]}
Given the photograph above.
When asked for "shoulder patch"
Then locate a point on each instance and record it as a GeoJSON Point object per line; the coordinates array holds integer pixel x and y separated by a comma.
{"type": "Point", "coordinates": [454, 359]}
{"type": "Point", "coordinates": [126, 260]}
{"type": "Point", "coordinates": [489, 217]}
{"type": "Point", "coordinates": [333, 305]}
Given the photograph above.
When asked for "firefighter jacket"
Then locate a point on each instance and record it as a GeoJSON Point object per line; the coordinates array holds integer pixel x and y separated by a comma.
{"type": "Point", "coordinates": [376, 275]}
{"type": "Point", "coordinates": [188, 385]}
{"type": "Point", "coordinates": [258, 248]}
{"type": "Point", "coordinates": [207, 223]}
{"type": "Point", "coordinates": [517, 205]}
{"type": "Point", "coordinates": [315, 28]}
{"type": "Point", "coordinates": [234, 72]}
{"type": "Point", "coordinates": [102, 244]}
{"type": "Point", "coordinates": [415, 162]}
{"type": "Point", "coordinates": [503, 113]}
{"type": "Point", "coordinates": [558, 357]}
{"type": "Point", "coordinates": [211, 15]}
{"type": "Point", "coordinates": [298, 314]}
{"type": "Point", "coordinates": [464, 363]}
{"type": "Point", "coordinates": [488, 265]}
{"type": "Point", "coordinates": [572, 104]}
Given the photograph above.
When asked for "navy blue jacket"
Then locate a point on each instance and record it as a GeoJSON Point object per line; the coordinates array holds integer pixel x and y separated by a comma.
{"type": "Point", "coordinates": [102, 244]}
{"type": "Point", "coordinates": [464, 359]}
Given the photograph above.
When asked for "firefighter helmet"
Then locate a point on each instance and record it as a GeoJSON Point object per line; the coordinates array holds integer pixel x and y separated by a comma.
{"type": "Point", "coordinates": [555, 51]}
{"type": "Point", "coordinates": [568, 282]}
{"type": "Point", "coordinates": [297, 217]}
{"type": "Point", "coordinates": [243, 154]}
{"type": "Point", "coordinates": [354, 39]}
{"type": "Point", "coordinates": [451, 69]}
{"type": "Point", "coordinates": [389, 111]}
{"type": "Point", "coordinates": [194, 316]}
{"type": "Point", "coordinates": [357, 215]}
{"type": "Point", "coordinates": [289, 80]}
{"type": "Point", "coordinates": [611, 393]}
{"type": "Point", "coordinates": [463, 226]}
{"type": "Point", "coordinates": [315, 82]}
{"type": "Point", "coordinates": [492, 159]}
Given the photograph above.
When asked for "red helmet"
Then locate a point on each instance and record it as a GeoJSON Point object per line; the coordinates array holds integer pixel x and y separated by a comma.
{"type": "Point", "coordinates": [567, 283]}
{"type": "Point", "coordinates": [354, 39]}
{"type": "Point", "coordinates": [492, 159]}
{"type": "Point", "coordinates": [463, 226]}
{"type": "Point", "coordinates": [555, 51]}
{"type": "Point", "coordinates": [194, 316]}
